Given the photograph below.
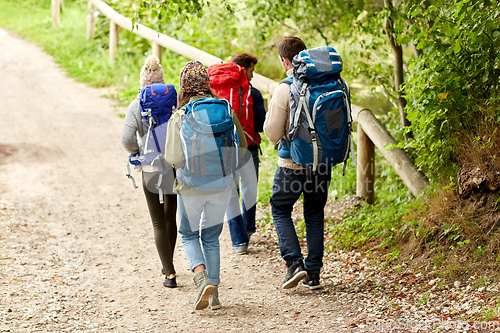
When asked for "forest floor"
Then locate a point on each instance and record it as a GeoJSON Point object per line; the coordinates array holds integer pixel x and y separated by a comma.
{"type": "Point", "coordinates": [77, 252]}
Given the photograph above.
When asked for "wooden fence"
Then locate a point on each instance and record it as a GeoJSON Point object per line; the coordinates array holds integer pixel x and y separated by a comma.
{"type": "Point", "coordinates": [371, 133]}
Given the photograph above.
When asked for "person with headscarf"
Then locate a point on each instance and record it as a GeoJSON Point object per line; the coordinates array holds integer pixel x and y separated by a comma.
{"type": "Point", "coordinates": [200, 212]}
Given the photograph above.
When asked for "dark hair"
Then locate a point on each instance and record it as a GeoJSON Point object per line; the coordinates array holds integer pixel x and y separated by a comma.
{"type": "Point", "coordinates": [244, 59]}
{"type": "Point", "coordinates": [289, 47]}
{"type": "Point", "coordinates": [184, 97]}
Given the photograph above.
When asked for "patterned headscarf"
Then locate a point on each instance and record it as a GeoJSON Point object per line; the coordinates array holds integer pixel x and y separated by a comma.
{"type": "Point", "coordinates": [194, 78]}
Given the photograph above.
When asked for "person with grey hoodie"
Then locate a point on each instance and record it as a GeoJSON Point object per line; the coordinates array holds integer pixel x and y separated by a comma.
{"type": "Point", "coordinates": [163, 215]}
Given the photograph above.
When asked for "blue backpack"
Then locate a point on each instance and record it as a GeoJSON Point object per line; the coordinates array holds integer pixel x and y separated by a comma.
{"type": "Point", "coordinates": [157, 102]}
{"type": "Point", "coordinates": [210, 145]}
{"type": "Point", "coordinates": [320, 111]}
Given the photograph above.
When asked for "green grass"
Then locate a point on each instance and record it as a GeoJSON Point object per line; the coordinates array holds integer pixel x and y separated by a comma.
{"type": "Point", "coordinates": [377, 225]}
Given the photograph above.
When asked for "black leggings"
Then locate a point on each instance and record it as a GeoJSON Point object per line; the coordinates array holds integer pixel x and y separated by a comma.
{"type": "Point", "coordinates": [163, 217]}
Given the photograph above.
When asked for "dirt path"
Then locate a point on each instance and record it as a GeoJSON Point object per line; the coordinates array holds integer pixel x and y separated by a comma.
{"type": "Point", "coordinates": [77, 251]}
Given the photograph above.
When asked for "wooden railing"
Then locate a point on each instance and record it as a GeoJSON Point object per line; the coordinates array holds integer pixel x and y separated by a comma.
{"type": "Point", "coordinates": [371, 133]}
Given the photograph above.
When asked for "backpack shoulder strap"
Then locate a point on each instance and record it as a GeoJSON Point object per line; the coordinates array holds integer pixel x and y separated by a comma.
{"type": "Point", "coordinates": [347, 92]}
{"type": "Point", "coordinates": [345, 87]}
{"type": "Point", "coordinates": [288, 80]}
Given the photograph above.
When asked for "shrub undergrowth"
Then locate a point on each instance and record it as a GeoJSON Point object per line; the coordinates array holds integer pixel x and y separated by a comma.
{"type": "Point", "coordinates": [463, 217]}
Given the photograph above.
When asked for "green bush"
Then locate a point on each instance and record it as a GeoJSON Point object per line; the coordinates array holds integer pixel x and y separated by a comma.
{"type": "Point", "coordinates": [455, 82]}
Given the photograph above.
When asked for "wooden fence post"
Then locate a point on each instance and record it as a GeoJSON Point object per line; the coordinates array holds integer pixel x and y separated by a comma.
{"type": "Point", "coordinates": [56, 11]}
{"type": "Point", "coordinates": [157, 50]}
{"type": "Point", "coordinates": [398, 159]}
{"type": "Point", "coordinates": [113, 41]}
{"type": "Point", "coordinates": [90, 21]}
{"type": "Point", "coordinates": [366, 167]}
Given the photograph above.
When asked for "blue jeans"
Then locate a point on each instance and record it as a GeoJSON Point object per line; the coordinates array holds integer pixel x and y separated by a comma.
{"type": "Point", "coordinates": [287, 187]}
{"type": "Point", "coordinates": [194, 226]}
{"type": "Point", "coordinates": [242, 221]}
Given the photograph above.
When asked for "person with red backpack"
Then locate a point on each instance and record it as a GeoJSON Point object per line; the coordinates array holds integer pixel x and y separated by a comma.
{"type": "Point", "coordinates": [248, 62]}
{"type": "Point", "coordinates": [232, 82]}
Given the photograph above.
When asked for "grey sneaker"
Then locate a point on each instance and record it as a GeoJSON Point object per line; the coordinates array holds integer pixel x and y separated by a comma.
{"type": "Point", "coordinates": [205, 289]}
{"type": "Point", "coordinates": [213, 300]}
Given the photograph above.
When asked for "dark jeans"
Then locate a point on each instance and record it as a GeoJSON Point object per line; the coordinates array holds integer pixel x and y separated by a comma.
{"type": "Point", "coordinates": [242, 226]}
{"type": "Point", "coordinates": [287, 187]}
{"type": "Point", "coordinates": [163, 217]}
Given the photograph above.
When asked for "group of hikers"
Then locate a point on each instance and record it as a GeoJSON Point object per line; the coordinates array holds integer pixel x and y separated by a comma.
{"type": "Point", "coordinates": [198, 151]}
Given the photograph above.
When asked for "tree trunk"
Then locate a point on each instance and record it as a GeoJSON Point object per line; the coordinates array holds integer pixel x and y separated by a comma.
{"type": "Point", "coordinates": [398, 67]}
{"type": "Point", "coordinates": [416, 52]}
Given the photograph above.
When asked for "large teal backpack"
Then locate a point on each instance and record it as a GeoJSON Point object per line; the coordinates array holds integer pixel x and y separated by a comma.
{"type": "Point", "coordinates": [320, 105]}
{"type": "Point", "coordinates": [210, 145]}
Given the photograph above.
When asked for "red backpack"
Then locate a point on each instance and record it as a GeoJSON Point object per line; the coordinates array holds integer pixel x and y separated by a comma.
{"type": "Point", "coordinates": [229, 82]}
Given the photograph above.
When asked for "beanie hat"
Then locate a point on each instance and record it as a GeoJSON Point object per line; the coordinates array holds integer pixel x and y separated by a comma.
{"type": "Point", "coordinates": [151, 72]}
{"type": "Point", "coordinates": [194, 78]}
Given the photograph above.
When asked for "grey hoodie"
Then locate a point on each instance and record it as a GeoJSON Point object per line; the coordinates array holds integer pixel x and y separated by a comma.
{"type": "Point", "coordinates": [133, 128]}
